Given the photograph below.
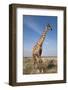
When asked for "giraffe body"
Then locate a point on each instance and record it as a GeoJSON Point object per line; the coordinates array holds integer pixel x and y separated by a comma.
{"type": "Point", "coordinates": [37, 49]}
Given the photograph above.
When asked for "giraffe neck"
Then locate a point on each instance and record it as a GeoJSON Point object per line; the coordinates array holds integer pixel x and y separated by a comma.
{"type": "Point", "coordinates": [42, 38]}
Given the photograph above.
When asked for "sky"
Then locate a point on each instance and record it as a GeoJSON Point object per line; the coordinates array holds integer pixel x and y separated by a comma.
{"type": "Point", "coordinates": [33, 26]}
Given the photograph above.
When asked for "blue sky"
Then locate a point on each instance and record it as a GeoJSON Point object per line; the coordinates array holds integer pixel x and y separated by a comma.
{"type": "Point", "coordinates": [33, 26]}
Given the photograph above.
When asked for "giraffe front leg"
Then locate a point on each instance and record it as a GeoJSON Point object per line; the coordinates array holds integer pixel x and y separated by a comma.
{"type": "Point", "coordinates": [40, 65]}
{"type": "Point", "coordinates": [36, 60]}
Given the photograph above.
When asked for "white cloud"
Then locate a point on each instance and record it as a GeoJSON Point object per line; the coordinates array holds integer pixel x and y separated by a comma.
{"type": "Point", "coordinates": [33, 26]}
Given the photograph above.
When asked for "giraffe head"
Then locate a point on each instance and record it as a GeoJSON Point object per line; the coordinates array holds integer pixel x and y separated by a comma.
{"type": "Point", "coordinates": [49, 27]}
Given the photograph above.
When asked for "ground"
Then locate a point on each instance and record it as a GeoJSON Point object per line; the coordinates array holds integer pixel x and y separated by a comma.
{"type": "Point", "coordinates": [49, 65]}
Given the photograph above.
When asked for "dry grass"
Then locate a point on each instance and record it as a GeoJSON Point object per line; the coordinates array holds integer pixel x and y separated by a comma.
{"type": "Point", "coordinates": [49, 65]}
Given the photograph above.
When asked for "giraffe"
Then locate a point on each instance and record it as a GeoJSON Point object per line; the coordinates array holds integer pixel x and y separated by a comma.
{"type": "Point", "coordinates": [37, 49]}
